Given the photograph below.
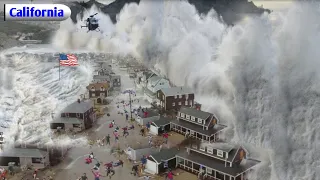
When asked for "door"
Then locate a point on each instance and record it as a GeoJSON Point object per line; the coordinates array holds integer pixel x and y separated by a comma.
{"type": "Point", "coordinates": [241, 154]}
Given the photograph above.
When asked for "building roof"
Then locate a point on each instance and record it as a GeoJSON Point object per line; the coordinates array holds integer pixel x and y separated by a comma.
{"type": "Point", "coordinates": [194, 112]}
{"type": "Point", "coordinates": [151, 113]}
{"type": "Point", "coordinates": [99, 77]}
{"type": "Point", "coordinates": [221, 146]}
{"type": "Point", "coordinates": [67, 120]}
{"type": "Point", "coordinates": [99, 85]}
{"type": "Point", "coordinates": [162, 121]}
{"type": "Point", "coordinates": [172, 91]}
{"type": "Point", "coordinates": [77, 107]}
{"type": "Point", "coordinates": [197, 128]}
{"type": "Point", "coordinates": [165, 154]}
{"type": "Point", "coordinates": [154, 80]}
{"type": "Point", "coordinates": [22, 152]}
{"type": "Point", "coordinates": [217, 164]}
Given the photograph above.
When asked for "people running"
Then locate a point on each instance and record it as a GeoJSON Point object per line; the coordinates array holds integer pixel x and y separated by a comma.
{"type": "Point", "coordinates": [170, 175]}
{"type": "Point", "coordinates": [97, 175]}
{"type": "Point", "coordinates": [134, 169]}
{"type": "Point", "coordinates": [108, 139]}
{"type": "Point", "coordinates": [91, 156]}
{"type": "Point", "coordinates": [83, 177]}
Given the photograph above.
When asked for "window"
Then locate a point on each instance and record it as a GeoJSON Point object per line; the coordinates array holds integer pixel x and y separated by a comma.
{"type": "Point", "coordinates": [193, 118]}
{"type": "Point", "coordinates": [182, 115]}
{"type": "Point", "coordinates": [220, 153]}
{"type": "Point", "coordinates": [102, 94]}
{"type": "Point", "coordinates": [191, 132]}
{"type": "Point", "coordinates": [180, 96]}
{"type": "Point", "coordinates": [187, 96]}
{"type": "Point", "coordinates": [175, 96]}
{"type": "Point", "coordinates": [173, 104]}
{"type": "Point", "coordinates": [187, 117]}
{"type": "Point", "coordinates": [179, 103]}
{"type": "Point", "coordinates": [186, 103]}
{"type": "Point", "coordinates": [102, 89]}
{"type": "Point", "coordinates": [78, 115]}
{"type": "Point", "coordinates": [200, 120]}
{"type": "Point", "coordinates": [36, 160]}
{"type": "Point", "coordinates": [76, 125]}
{"type": "Point", "coordinates": [209, 170]}
{"type": "Point", "coordinates": [67, 114]}
{"type": "Point", "coordinates": [92, 88]}
{"type": "Point", "coordinates": [190, 102]}
{"type": "Point", "coordinates": [202, 148]}
{"type": "Point", "coordinates": [210, 150]}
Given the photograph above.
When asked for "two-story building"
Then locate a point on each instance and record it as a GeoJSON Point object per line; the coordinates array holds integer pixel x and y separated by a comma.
{"type": "Point", "coordinates": [198, 124]}
{"type": "Point", "coordinates": [154, 84]}
{"type": "Point", "coordinates": [78, 115]}
{"type": "Point", "coordinates": [219, 161]}
{"type": "Point", "coordinates": [98, 92]}
{"type": "Point", "coordinates": [174, 98]}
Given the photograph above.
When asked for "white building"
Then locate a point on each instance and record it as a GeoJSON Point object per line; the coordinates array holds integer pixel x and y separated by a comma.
{"type": "Point", "coordinates": [154, 84]}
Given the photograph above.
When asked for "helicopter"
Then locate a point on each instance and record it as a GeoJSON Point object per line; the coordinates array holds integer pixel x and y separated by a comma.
{"type": "Point", "coordinates": [92, 23]}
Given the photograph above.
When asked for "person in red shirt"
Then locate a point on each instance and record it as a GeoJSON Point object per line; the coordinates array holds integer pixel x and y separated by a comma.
{"type": "Point", "coordinates": [165, 136]}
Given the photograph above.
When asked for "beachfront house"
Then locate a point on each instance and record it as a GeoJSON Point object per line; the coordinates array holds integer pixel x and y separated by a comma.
{"type": "Point", "coordinates": [99, 92]}
{"type": "Point", "coordinates": [197, 124]}
{"type": "Point", "coordinates": [174, 98]}
{"type": "Point", "coordinates": [159, 162]}
{"type": "Point", "coordinates": [154, 84]}
{"type": "Point", "coordinates": [80, 114]}
{"type": "Point", "coordinates": [160, 126]}
{"type": "Point", "coordinates": [217, 160]}
{"type": "Point", "coordinates": [36, 158]}
{"type": "Point", "coordinates": [136, 150]}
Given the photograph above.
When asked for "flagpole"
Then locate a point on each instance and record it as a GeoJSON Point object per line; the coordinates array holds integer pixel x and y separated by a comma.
{"type": "Point", "coordinates": [59, 69]}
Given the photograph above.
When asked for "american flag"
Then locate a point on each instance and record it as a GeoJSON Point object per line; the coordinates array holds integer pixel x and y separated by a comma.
{"type": "Point", "coordinates": [68, 60]}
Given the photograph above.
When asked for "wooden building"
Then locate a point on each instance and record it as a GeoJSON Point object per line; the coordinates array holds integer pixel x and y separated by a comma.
{"type": "Point", "coordinates": [136, 151]}
{"type": "Point", "coordinates": [81, 110]}
{"type": "Point", "coordinates": [99, 92]}
{"type": "Point", "coordinates": [159, 126]}
{"type": "Point", "coordinates": [218, 161]}
{"type": "Point", "coordinates": [157, 163]}
{"type": "Point", "coordinates": [197, 124]}
{"type": "Point", "coordinates": [175, 97]}
{"type": "Point", "coordinates": [36, 158]}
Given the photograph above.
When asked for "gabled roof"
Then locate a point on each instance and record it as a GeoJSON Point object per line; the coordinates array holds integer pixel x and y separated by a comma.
{"type": "Point", "coordinates": [195, 113]}
{"type": "Point", "coordinates": [221, 146]}
{"type": "Point", "coordinates": [162, 121]}
{"type": "Point", "coordinates": [219, 165]}
{"type": "Point", "coordinates": [101, 77]}
{"type": "Point", "coordinates": [165, 154]}
{"type": "Point", "coordinates": [22, 152]}
{"type": "Point", "coordinates": [154, 80]}
{"type": "Point", "coordinates": [99, 85]}
{"type": "Point", "coordinates": [77, 107]}
{"type": "Point", "coordinates": [172, 91]}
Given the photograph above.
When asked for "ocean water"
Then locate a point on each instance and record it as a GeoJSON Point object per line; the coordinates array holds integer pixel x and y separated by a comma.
{"type": "Point", "coordinates": [260, 76]}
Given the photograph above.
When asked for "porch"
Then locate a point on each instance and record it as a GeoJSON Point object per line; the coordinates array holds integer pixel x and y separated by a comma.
{"type": "Point", "coordinates": [213, 169]}
{"type": "Point", "coordinates": [195, 131]}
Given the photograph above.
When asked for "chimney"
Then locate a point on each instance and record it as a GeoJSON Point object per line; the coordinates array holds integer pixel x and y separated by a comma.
{"type": "Point", "coordinates": [79, 101]}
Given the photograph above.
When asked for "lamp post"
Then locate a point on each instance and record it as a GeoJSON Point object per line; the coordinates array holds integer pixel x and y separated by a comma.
{"type": "Point", "coordinates": [130, 104]}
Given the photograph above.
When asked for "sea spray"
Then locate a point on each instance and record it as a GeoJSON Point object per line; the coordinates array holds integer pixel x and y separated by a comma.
{"type": "Point", "coordinates": [259, 76]}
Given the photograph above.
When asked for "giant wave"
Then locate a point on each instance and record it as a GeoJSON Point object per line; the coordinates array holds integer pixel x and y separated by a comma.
{"type": "Point", "coordinates": [259, 76]}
